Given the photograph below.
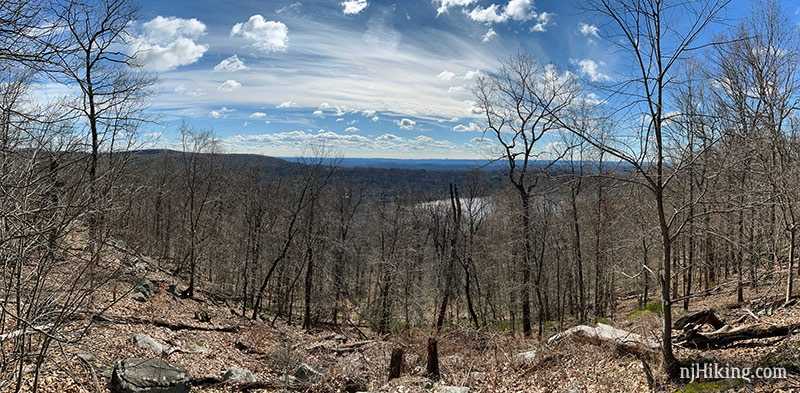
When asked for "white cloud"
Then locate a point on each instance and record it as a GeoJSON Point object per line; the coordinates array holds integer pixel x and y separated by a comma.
{"type": "Point", "coordinates": [215, 115]}
{"type": "Point", "coordinates": [542, 21]}
{"type": "Point", "coordinates": [405, 124]}
{"type": "Point", "coordinates": [352, 7]}
{"type": "Point", "coordinates": [258, 115]}
{"type": "Point", "coordinates": [489, 35]}
{"type": "Point", "coordinates": [467, 128]}
{"type": "Point", "coordinates": [446, 75]}
{"type": "Point", "coordinates": [590, 68]}
{"type": "Point", "coordinates": [287, 104]}
{"type": "Point", "coordinates": [168, 43]}
{"type": "Point", "coordinates": [519, 10]}
{"type": "Point", "coordinates": [267, 36]}
{"type": "Point", "coordinates": [231, 64]}
{"type": "Point", "coordinates": [388, 138]}
{"type": "Point", "coordinates": [444, 5]}
{"type": "Point", "coordinates": [588, 30]}
{"type": "Point", "coordinates": [318, 113]}
{"type": "Point", "coordinates": [229, 85]}
{"type": "Point", "coordinates": [351, 129]}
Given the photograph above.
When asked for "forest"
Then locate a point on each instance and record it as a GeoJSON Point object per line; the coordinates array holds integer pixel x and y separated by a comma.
{"type": "Point", "coordinates": [660, 189]}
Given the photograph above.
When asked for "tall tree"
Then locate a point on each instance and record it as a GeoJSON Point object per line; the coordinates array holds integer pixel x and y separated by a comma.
{"type": "Point", "coordinates": [520, 103]}
{"type": "Point", "coordinates": [655, 35]}
{"type": "Point", "coordinates": [113, 92]}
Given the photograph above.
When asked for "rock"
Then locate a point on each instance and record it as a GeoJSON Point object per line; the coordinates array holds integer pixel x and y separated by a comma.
{"type": "Point", "coordinates": [289, 379]}
{"type": "Point", "coordinates": [142, 340]}
{"type": "Point", "coordinates": [305, 372]}
{"type": "Point", "coordinates": [355, 385]}
{"type": "Point", "coordinates": [527, 356]}
{"type": "Point", "coordinates": [143, 290]}
{"type": "Point", "coordinates": [574, 387]}
{"type": "Point", "coordinates": [452, 389]}
{"type": "Point", "coordinates": [477, 375]}
{"type": "Point", "coordinates": [136, 375]}
{"type": "Point", "coordinates": [238, 374]}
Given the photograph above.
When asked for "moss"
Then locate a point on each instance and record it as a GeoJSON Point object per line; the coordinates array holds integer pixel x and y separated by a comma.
{"type": "Point", "coordinates": [604, 320]}
{"type": "Point", "coordinates": [653, 307]}
{"type": "Point", "coordinates": [719, 385]}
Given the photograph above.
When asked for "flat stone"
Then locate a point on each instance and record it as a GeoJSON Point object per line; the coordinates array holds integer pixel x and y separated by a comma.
{"type": "Point", "coordinates": [453, 389]}
{"type": "Point", "coordinates": [238, 374]}
{"type": "Point", "coordinates": [137, 375]}
{"type": "Point", "coordinates": [142, 340]}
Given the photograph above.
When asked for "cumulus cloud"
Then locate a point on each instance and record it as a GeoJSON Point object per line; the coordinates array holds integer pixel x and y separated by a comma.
{"type": "Point", "coordinates": [489, 35]}
{"type": "Point", "coordinates": [467, 128]}
{"type": "Point", "coordinates": [168, 43]}
{"type": "Point", "coordinates": [591, 69]}
{"type": "Point", "coordinates": [287, 104]}
{"type": "Point", "coordinates": [318, 113]}
{"type": "Point", "coordinates": [266, 36]}
{"type": "Point", "coordinates": [258, 115]}
{"type": "Point", "coordinates": [444, 5]}
{"type": "Point", "coordinates": [542, 21]}
{"type": "Point", "coordinates": [231, 64]}
{"type": "Point", "coordinates": [352, 7]}
{"type": "Point", "coordinates": [588, 30]}
{"type": "Point", "coordinates": [405, 124]}
{"type": "Point", "coordinates": [446, 75]}
{"type": "Point", "coordinates": [229, 85]}
{"type": "Point", "coordinates": [519, 10]}
{"type": "Point", "coordinates": [351, 129]}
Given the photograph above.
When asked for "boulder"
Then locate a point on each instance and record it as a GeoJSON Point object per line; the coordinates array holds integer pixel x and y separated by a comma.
{"type": "Point", "coordinates": [143, 291]}
{"type": "Point", "coordinates": [137, 375]}
{"type": "Point", "coordinates": [238, 374]}
{"type": "Point", "coordinates": [305, 373]}
{"type": "Point", "coordinates": [525, 357]}
{"type": "Point", "coordinates": [142, 340]}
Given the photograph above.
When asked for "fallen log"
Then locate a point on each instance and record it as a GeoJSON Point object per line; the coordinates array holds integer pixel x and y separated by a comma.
{"type": "Point", "coordinates": [175, 326]}
{"type": "Point", "coordinates": [698, 318]}
{"type": "Point", "coordinates": [622, 339]}
{"type": "Point", "coordinates": [724, 337]}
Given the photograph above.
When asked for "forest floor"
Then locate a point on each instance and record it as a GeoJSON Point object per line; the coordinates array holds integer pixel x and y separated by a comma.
{"type": "Point", "coordinates": [357, 359]}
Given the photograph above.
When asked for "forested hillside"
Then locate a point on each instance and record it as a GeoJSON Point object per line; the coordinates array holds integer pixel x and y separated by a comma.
{"type": "Point", "coordinates": [661, 204]}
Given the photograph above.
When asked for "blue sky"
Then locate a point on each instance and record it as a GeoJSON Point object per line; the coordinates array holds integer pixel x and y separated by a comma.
{"type": "Point", "coordinates": [364, 78]}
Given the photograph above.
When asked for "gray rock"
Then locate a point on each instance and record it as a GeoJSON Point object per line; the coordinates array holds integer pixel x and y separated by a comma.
{"type": "Point", "coordinates": [238, 374]}
{"type": "Point", "coordinates": [143, 288]}
{"type": "Point", "coordinates": [574, 387]}
{"type": "Point", "coordinates": [477, 375]}
{"type": "Point", "coordinates": [289, 379]}
{"type": "Point", "coordinates": [452, 389]}
{"type": "Point", "coordinates": [142, 340]}
{"type": "Point", "coordinates": [527, 356]}
{"type": "Point", "coordinates": [305, 372]}
{"type": "Point", "coordinates": [136, 375]}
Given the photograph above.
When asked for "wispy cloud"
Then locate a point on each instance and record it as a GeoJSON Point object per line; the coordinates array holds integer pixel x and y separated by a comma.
{"type": "Point", "coordinates": [229, 85]}
{"type": "Point", "coordinates": [591, 69]}
{"type": "Point", "coordinates": [588, 30]}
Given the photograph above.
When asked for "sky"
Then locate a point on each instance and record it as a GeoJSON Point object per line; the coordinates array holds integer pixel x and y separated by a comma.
{"type": "Point", "coordinates": [363, 78]}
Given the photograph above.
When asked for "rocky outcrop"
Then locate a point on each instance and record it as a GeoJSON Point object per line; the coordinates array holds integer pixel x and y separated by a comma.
{"type": "Point", "coordinates": [137, 375]}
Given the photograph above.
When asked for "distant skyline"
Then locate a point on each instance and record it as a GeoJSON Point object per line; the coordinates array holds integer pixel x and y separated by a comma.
{"type": "Point", "coordinates": [364, 78]}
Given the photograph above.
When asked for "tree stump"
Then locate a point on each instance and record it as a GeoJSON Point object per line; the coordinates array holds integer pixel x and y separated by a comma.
{"type": "Point", "coordinates": [433, 359]}
{"type": "Point", "coordinates": [396, 363]}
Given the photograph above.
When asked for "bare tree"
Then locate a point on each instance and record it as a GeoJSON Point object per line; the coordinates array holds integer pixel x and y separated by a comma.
{"type": "Point", "coordinates": [520, 103]}
{"type": "Point", "coordinates": [113, 93]}
{"type": "Point", "coordinates": [655, 35]}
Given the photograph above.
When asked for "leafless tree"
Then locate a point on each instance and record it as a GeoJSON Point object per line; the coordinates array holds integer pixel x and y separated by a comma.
{"type": "Point", "coordinates": [520, 103]}
{"type": "Point", "coordinates": [655, 36]}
